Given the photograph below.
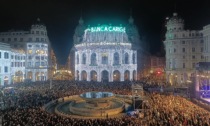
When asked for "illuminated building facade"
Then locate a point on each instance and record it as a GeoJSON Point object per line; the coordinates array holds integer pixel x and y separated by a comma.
{"type": "Point", "coordinates": [104, 54]}
{"type": "Point", "coordinates": [17, 59]}
{"type": "Point", "coordinates": [30, 56]}
{"type": "Point", "coordinates": [5, 71]}
{"type": "Point", "coordinates": [184, 48]}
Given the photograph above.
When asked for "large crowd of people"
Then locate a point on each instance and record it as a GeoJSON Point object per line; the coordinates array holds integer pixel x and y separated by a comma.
{"type": "Point", "coordinates": [23, 105]}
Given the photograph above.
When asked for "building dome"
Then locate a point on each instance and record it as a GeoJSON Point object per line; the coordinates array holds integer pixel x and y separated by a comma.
{"type": "Point", "coordinates": [175, 23]}
{"type": "Point", "coordinates": [175, 19]}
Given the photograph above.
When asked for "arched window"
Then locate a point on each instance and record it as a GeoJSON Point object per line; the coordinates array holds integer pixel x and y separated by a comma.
{"type": "Point", "coordinates": [104, 59]}
{"type": "Point", "coordinates": [93, 59]}
{"type": "Point", "coordinates": [126, 58]}
{"type": "Point", "coordinates": [134, 58]}
{"type": "Point", "coordinates": [77, 59]}
{"type": "Point", "coordinates": [116, 59]}
{"type": "Point", "coordinates": [83, 58]}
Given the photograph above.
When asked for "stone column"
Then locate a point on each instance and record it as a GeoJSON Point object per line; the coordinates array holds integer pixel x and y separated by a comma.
{"type": "Point", "coordinates": [121, 75]}
{"type": "Point", "coordinates": [88, 75]}
{"type": "Point", "coordinates": [130, 57]}
{"type": "Point", "coordinates": [98, 76]}
{"type": "Point", "coordinates": [111, 76]}
{"type": "Point", "coordinates": [33, 76]}
{"type": "Point", "coordinates": [131, 75]}
{"type": "Point", "coordinates": [80, 75]}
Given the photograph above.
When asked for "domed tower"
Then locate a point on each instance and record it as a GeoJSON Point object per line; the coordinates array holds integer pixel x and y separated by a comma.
{"type": "Point", "coordinates": [79, 32]}
{"type": "Point", "coordinates": [173, 25]}
{"type": "Point", "coordinates": [132, 32]}
{"type": "Point", "coordinates": [38, 32]}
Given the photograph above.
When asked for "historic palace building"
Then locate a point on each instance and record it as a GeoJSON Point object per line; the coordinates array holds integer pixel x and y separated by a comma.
{"type": "Point", "coordinates": [104, 53]}
{"type": "Point", "coordinates": [29, 55]}
{"type": "Point", "coordinates": [184, 49]}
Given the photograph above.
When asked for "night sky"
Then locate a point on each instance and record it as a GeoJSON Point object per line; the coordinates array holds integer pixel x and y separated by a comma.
{"type": "Point", "coordinates": [61, 17]}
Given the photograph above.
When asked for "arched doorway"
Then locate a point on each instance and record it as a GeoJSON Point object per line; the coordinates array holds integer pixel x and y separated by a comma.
{"type": "Point", "coordinates": [127, 75]}
{"type": "Point", "coordinates": [37, 76]}
{"type": "Point", "coordinates": [6, 80]}
{"type": "Point", "coordinates": [116, 75]}
{"type": "Point", "coordinates": [18, 77]}
{"type": "Point", "coordinates": [93, 59]}
{"type": "Point", "coordinates": [93, 76]}
{"type": "Point", "coordinates": [77, 72]}
{"type": "Point", "coordinates": [84, 75]}
{"type": "Point", "coordinates": [30, 75]}
{"type": "Point", "coordinates": [134, 75]}
{"type": "Point", "coordinates": [105, 76]}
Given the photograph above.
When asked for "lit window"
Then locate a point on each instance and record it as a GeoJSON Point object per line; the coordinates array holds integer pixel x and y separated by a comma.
{"type": "Point", "coordinates": [30, 51]}
{"type": "Point", "coordinates": [37, 51]}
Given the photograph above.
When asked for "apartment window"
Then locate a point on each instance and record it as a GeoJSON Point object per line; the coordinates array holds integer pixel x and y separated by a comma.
{"type": "Point", "coordinates": [32, 32]}
{"type": "Point", "coordinates": [37, 32]}
{"type": "Point", "coordinates": [193, 65]}
{"type": "Point", "coordinates": [12, 56]}
{"type": "Point", "coordinates": [5, 69]}
{"type": "Point", "coordinates": [37, 57]}
{"type": "Point", "coordinates": [29, 51]}
{"type": "Point", "coordinates": [6, 55]}
{"type": "Point", "coordinates": [37, 39]}
{"type": "Point", "coordinates": [193, 57]}
{"type": "Point", "coordinates": [29, 57]}
{"type": "Point", "coordinates": [23, 64]}
{"type": "Point", "coordinates": [202, 57]}
{"type": "Point", "coordinates": [201, 49]}
{"type": "Point", "coordinates": [12, 65]}
{"type": "Point", "coordinates": [15, 39]}
{"type": "Point", "coordinates": [15, 57]}
{"type": "Point", "coordinates": [183, 65]}
{"type": "Point", "coordinates": [201, 41]}
{"type": "Point", "coordinates": [29, 64]}
{"type": "Point", "coordinates": [183, 57]}
{"type": "Point", "coordinates": [193, 49]}
{"type": "Point", "coordinates": [42, 58]}
{"type": "Point", "coordinates": [192, 34]}
{"type": "Point", "coordinates": [29, 45]}
{"type": "Point", "coordinates": [30, 39]}
{"type": "Point", "coordinates": [42, 64]}
{"type": "Point", "coordinates": [183, 42]}
{"type": "Point", "coordinates": [183, 49]}
{"type": "Point", "coordinates": [42, 39]}
{"type": "Point", "coordinates": [9, 39]}
{"type": "Point", "coordinates": [174, 50]}
{"type": "Point", "coordinates": [37, 46]}
{"type": "Point", "coordinates": [37, 64]}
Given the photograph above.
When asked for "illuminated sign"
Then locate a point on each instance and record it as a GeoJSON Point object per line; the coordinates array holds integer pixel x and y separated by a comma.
{"type": "Point", "coordinates": [106, 28]}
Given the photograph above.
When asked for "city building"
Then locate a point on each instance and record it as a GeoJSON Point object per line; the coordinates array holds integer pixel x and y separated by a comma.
{"type": "Point", "coordinates": [104, 53]}
{"type": "Point", "coordinates": [29, 54]}
{"type": "Point", "coordinates": [157, 67]}
{"type": "Point", "coordinates": [184, 48]}
{"type": "Point", "coordinates": [5, 71]}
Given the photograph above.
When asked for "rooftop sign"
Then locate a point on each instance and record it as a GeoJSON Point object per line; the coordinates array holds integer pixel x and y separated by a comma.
{"type": "Point", "coordinates": [104, 28]}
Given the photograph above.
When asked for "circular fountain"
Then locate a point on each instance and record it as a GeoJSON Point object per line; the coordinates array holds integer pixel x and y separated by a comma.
{"type": "Point", "coordinates": [96, 104]}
